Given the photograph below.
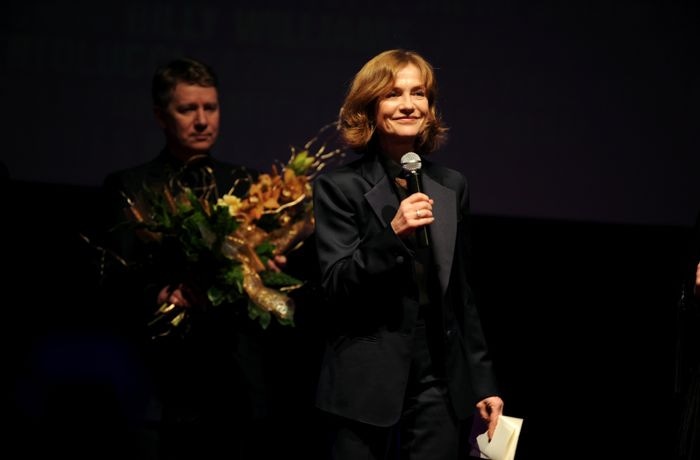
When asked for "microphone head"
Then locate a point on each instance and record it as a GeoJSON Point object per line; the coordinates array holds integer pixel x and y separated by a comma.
{"type": "Point", "coordinates": [411, 162]}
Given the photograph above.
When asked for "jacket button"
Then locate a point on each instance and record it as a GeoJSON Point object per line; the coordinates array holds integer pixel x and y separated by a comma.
{"type": "Point", "coordinates": [399, 259]}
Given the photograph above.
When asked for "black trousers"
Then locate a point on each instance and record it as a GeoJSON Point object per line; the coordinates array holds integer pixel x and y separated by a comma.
{"type": "Point", "coordinates": [427, 429]}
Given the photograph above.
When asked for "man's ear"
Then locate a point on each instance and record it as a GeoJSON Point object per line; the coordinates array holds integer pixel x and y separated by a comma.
{"type": "Point", "coordinates": [160, 116]}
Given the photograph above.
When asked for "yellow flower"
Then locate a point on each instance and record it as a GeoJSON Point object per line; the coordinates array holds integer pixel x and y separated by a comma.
{"type": "Point", "coordinates": [294, 186]}
{"type": "Point", "coordinates": [272, 218]}
{"type": "Point", "coordinates": [232, 202]}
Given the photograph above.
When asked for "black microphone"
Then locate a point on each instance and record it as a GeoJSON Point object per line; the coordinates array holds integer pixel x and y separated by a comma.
{"type": "Point", "coordinates": [411, 164]}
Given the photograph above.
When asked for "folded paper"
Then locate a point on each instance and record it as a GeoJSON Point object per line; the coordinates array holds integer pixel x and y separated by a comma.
{"type": "Point", "coordinates": [504, 442]}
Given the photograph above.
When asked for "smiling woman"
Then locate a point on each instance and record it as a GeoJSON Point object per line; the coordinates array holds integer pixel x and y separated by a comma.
{"type": "Point", "coordinates": [402, 113]}
{"type": "Point", "coordinates": [402, 314]}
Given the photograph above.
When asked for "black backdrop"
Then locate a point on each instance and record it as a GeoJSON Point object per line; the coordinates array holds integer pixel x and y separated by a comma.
{"type": "Point", "coordinates": [574, 123]}
{"type": "Point", "coordinates": [582, 110]}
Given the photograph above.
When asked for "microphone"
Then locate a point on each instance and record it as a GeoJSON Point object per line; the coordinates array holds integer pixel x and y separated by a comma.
{"type": "Point", "coordinates": [411, 164]}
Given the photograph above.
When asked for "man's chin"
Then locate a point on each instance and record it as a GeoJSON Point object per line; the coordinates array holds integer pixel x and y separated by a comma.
{"type": "Point", "coordinates": [199, 148]}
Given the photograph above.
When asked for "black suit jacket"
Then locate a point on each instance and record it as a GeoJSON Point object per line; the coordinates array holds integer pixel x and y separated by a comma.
{"type": "Point", "coordinates": [367, 273]}
{"type": "Point", "coordinates": [214, 374]}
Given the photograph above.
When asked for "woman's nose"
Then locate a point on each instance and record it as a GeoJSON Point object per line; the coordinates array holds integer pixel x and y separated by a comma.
{"type": "Point", "coordinates": [406, 104]}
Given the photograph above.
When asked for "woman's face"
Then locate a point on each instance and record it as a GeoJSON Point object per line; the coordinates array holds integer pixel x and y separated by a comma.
{"type": "Point", "coordinates": [402, 112]}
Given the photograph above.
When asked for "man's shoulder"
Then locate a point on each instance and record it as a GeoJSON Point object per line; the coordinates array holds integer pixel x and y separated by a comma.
{"type": "Point", "coordinates": [140, 178]}
{"type": "Point", "coordinates": [232, 168]}
{"type": "Point", "coordinates": [231, 177]}
{"type": "Point", "coordinates": [139, 170]}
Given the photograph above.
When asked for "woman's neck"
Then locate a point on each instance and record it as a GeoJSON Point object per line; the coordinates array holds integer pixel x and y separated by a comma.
{"type": "Point", "coordinates": [395, 150]}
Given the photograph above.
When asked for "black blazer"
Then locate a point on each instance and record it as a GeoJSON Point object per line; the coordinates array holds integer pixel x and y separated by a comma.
{"type": "Point", "coordinates": [367, 274]}
{"type": "Point", "coordinates": [216, 370]}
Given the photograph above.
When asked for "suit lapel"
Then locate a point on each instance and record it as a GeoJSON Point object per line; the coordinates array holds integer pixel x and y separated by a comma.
{"type": "Point", "coordinates": [443, 230]}
{"type": "Point", "coordinates": [384, 203]}
{"type": "Point", "coordinates": [381, 196]}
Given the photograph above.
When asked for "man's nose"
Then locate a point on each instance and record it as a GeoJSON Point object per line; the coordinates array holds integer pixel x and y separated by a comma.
{"type": "Point", "coordinates": [200, 118]}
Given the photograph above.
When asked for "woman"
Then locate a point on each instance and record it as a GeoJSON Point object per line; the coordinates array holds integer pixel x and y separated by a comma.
{"type": "Point", "coordinates": [406, 362]}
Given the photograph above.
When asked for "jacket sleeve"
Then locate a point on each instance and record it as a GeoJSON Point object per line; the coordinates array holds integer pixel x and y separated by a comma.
{"type": "Point", "coordinates": [353, 258]}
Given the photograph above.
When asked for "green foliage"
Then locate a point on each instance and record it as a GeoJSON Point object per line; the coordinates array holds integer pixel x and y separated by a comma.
{"type": "Point", "coordinates": [265, 249]}
{"type": "Point", "coordinates": [263, 317]}
{"type": "Point", "coordinates": [301, 162]}
{"type": "Point", "coordinates": [278, 279]}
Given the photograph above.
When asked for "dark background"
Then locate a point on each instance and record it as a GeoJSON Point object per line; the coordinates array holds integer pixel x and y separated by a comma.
{"type": "Point", "coordinates": [576, 110]}
{"type": "Point", "coordinates": [575, 122]}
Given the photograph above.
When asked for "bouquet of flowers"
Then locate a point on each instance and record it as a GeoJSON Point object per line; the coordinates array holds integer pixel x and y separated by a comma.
{"type": "Point", "coordinates": [228, 241]}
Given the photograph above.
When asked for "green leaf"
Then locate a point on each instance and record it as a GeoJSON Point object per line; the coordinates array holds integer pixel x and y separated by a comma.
{"type": "Point", "coordinates": [255, 312]}
{"type": "Point", "coordinates": [301, 162]}
{"type": "Point", "coordinates": [278, 279]}
{"type": "Point", "coordinates": [286, 322]}
{"type": "Point", "coordinates": [232, 275]}
{"type": "Point", "coordinates": [215, 295]}
{"type": "Point", "coordinates": [222, 224]}
{"type": "Point", "coordinates": [265, 250]}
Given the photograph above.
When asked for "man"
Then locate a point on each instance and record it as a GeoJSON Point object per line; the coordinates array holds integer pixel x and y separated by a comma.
{"type": "Point", "coordinates": [209, 380]}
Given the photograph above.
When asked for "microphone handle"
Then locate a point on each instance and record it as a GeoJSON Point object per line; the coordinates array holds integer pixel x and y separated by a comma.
{"type": "Point", "coordinates": [414, 186]}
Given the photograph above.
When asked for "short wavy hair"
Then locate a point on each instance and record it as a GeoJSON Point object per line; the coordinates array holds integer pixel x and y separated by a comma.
{"type": "Point", "coordinates": [357, 115]}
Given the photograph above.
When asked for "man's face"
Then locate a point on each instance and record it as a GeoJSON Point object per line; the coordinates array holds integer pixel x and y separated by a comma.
{"type": "Point", "coordinates": [191, 120]}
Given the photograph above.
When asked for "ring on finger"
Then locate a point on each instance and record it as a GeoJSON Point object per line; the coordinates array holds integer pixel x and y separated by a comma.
{"type": "Point", "coordinates": [418, 213]}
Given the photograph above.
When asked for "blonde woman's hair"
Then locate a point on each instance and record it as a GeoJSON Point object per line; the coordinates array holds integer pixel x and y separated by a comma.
{"type": "Point", "coordinates": [374, 80]}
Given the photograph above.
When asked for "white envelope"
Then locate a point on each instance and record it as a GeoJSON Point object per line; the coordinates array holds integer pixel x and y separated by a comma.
{"type": "Point", "coordinates": [504, 441]}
